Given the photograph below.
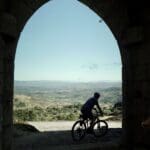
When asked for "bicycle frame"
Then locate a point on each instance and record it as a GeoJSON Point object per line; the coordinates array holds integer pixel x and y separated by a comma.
{"type": "Point", "coordinates": [83, 125]}
{"type": "Point", "coordinates": [87, 121]}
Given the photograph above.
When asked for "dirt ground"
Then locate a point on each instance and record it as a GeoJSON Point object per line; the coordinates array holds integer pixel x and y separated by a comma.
{"type": "Point", "coordinates": [64, 125]}
{"type": "Point", "coordinates": [57, 136]}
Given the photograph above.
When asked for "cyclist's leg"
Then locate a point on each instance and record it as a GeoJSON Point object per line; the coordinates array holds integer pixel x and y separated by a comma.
{"type": "Point", "coordinates": [91, 117]}
{"type": "Point", "coordinates": [88, 115]}
{"type": "Point", "coordinates": [84, 114]}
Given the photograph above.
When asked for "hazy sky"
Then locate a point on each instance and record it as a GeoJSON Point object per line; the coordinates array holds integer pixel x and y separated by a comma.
{"type": "Point", "coordinates": [64, 40]}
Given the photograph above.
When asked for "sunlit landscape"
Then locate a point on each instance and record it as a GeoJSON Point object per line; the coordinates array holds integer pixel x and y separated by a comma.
{"type": "Point", "coordinates": [65, 53]}
{"type": "Point", "coordinates": [51, 100]}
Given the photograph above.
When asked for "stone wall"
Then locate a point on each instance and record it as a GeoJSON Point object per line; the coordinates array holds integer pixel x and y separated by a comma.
{"type": "Point", "coordinates": [8, 41]}
{"type": "Point", "coordinates": [128, 21]}
{"type": "Point", "coordinates": [1, 88]}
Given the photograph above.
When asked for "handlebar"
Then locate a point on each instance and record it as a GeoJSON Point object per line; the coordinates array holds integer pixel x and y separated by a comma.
{"type": "Point", "coordinates": [97, 113]}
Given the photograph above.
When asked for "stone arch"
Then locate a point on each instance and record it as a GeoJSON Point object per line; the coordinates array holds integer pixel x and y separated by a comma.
{"type": "Point", "coordinates": [14, 21]}
{"type": "Point", "coordinates": [113, 13]}
{"type": "Point", "coordinates": [128, 29]}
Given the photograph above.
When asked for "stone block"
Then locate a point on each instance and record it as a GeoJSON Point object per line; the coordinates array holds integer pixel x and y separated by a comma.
{"type": "Point", "coordinates": [1, 66]}
{"type": "Point", "coordinates": [7, 137]}
{"type": "Point", "coordinates": [1, 83]}
{"type": "Point", "coordinates": [140, 72]}
{"type": "Point", "coordinates": [141, 54]}
{"type": "Point", "coordinates": [21, 16]}
{"type": "Point", "coordinates": [2, 43]}
{"type": "Point", "coordinates": [8, 83]}
{"type": "Point", "coordinates": [34, 4]}
{"type": "Point", "coordinates": [7, 112]}
{"type": "Point", "coordinates": [0, 141]}
{"type": "Point", "coordinates": [1, 119]}
{"type": "Point", "coordinates": [127, 73]}
{"type": "Point", "coordinates": [8, 92]}
{"type": "Point", "coordinates": [9, 65]}
{"type": "Point", "coordinates": [1, 116]}
{"type": "Point", "coordinates": [8, 25]}
{"type": "Point", "coordinates": [148, 73]}
{"type": "Point", "coordinates": [1, 130]}
{"type": "Point", "coordinates": [2, 4]}
{"type": "Point", "coordinates": [132, 35]}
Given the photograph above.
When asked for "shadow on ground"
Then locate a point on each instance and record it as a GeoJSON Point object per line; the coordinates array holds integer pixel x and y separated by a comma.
{"type": "Point", "coordinates": [62, 140]}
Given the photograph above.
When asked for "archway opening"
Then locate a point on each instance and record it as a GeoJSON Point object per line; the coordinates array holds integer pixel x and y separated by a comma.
{"type": "Point", "coordinates": [76, 57]}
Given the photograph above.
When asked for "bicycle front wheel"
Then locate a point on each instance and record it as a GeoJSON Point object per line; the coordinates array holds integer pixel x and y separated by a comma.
{"type": "Point", "coordinates": [78, 130]}
{"type": "Point", "coordinates": [100, 128]}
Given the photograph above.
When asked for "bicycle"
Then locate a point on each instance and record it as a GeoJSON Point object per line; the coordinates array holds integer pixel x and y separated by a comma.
{"type": "Point", "coordinates": [81, 126]}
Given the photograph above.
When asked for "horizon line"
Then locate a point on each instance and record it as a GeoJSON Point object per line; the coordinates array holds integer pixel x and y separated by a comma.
{"type": "Point", "coordinates": [68, 81]}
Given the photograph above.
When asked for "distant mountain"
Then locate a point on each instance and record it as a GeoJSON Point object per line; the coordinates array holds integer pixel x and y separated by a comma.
{"type": "Point", "coordinates": [67, 84]}
{"type": "Point", "coordinates": [59, 91]}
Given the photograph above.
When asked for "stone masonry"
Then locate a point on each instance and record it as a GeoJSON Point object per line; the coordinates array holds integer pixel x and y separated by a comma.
{"type": "Point", "coordinates": [129, 22]}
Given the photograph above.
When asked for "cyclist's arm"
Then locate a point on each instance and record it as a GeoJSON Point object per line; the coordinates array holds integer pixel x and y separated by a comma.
{"type": "Point", "coordinates": [99, 108]}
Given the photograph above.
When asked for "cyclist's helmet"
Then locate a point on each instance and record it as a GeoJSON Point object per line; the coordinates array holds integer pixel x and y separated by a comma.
{"type": "Point", "coordinates": [96, 95]}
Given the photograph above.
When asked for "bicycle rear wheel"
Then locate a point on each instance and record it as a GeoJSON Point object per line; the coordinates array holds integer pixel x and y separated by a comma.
{"type": "Point", "coordinates": [78, 130]}
{"type": "Point", "coordinates": [100, 128]}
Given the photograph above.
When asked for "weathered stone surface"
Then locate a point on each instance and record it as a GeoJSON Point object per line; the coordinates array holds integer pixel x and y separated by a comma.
{"type": "Point", "coordinates": [1, 117]}
{"type": "Point", "coordinates": [108, 11]}
{"type": "Point", "coordinates": [7, 137]}
{"type": "Point", "coordinates": [8, 25]}
{"type": "Point", "coordinates": [34, 4]}
{"type": "Point", "coordinates": [1, 83]}
{"type": "Point", "coordinates": [2, 5]}
{"type": "Point", "coordinates": [1, 66]}
{"type": "Point", "coordinates": [9, 65]}
{"type": "Point", "coordinates": [142, 55]}
{"type": "Point", "coordinates": [129, 24]}
{"type": "Point", "coordinates": [23, 16]}
{"type": "Point", "coordinates": [2, 43]}
{"type": "Point", "coordinates": [28, 7]}
{"type": "Point", "coordinates": [132, 35]}
{"type": "Point", "coordinates": [140, 72]}
{"type": "Point", "coordinates": [7, 111]}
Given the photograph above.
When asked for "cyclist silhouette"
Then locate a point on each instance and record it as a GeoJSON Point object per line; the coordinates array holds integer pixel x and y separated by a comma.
{"type": "Point", "coordinates": [89, 105]}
